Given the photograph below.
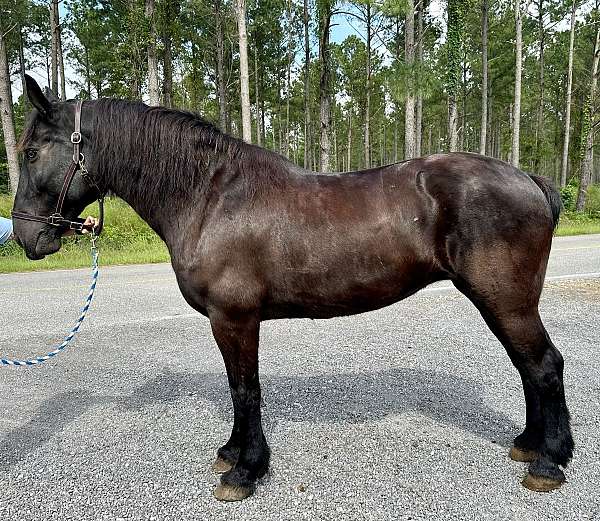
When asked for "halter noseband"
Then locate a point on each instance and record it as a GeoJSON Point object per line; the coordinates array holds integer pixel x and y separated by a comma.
{"type": "Point", "coordinates": [77, 164]}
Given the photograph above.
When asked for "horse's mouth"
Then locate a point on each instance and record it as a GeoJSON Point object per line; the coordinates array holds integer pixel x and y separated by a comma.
{"type": "Point", "coordinates": [33, 256]}
{"type": "Point", "coordinates": [46, 244]}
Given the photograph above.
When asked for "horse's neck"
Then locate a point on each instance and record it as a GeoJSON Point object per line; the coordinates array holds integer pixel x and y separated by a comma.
{"type": "Point", "coordinates": [164, 217]}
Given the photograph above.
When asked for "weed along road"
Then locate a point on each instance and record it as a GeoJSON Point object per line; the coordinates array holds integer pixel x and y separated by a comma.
{"type": "Point", "coordinates": [364, 419]}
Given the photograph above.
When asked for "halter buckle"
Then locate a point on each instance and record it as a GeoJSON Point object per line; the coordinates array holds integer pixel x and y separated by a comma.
{"type": "Point", "coordinates": [76, 138]}
{"type": "Point", "coordinates": [54, 219]}
{"type": "Point", "coordinates": [75, 226]}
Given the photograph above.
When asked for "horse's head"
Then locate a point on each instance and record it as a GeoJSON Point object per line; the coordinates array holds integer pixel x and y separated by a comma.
{"type": "Point", "coordinates": [47, 153]}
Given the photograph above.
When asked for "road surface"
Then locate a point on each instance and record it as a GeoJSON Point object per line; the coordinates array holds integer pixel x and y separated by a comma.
{"type": "Point", "coordinates": [402, 413]}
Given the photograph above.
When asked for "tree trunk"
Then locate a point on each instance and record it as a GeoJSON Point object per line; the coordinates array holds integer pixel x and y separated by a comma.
{"type": "Point", "coordinates": [453, 124]}
{"type": "Point", "coordinates": [6, 110]}
{"type": "Point", "coordinates": [490, 120]}
{"type": "Point", "coordinates": [221, 95]}
{"type": "Point", "coordinates": [516, 117]}
{"type": "Point", "coordinates": [88, 80]}
{"type": "Point", "coordinates": [135, 62]}
{"type": "Point", "coordinates": [395, 138]}
{"type": "Point", "coordinates": [22, 70]}
{"type": "Point", "coordinates": [499, 140]}
{"type": "Point", "coordinates": [587, 164]}
{"type": "Point", "coordinates": [429, 140]}
{"type": "Point", "coordinates": [419, 115]}
{"type": "Point", "coordinates": [510, 127]}
{"type": "Point", "coordinates": [324, 84]}
{"type": "Point", "coordinates": [464, 144]}
{"type": "Point", "coordinates": [288, 87]}
{"type": "Point", "coordinates": [409, 58]}
{"type": "Point", "coordinates": [168, 56]}
{"type": "Point", "coordinates": [193, 102]}
{"type": "Point", "coordinates": [565, 154]}
{"type": "Point", "coordinates": [540, 111]}
{"type": "Point", "coordinates": [307, 139]}
{"type": "Point", "coordinates": [59, 50]}
{"type": "Point", "coordinates": [455, 22]}
{"type": "Point", "coordinates": [279, 126]}
{"type": "Point", "coordinates": [257, 99]}
{"type": "Point", "coordinates": [168, 72]}
{"type": "Point", "coordinates": [152, 60]}
{"type": "Point", "coordinates": [484, 77]}
{"type": "Point", "coordinates": [335, 150]}
{"type": "Point", "coordinates": [368, 91]}
{"type": "Point", "coordinates": [279, 120]}
{"type": "Point", "coordinates": [47, 63]}
{"type": "Point", "coordinates": [262, 116]}
{"type": "Point", "coordinates": [382, 145]}
{"type": "Point", "coordinates": [349, 151]}
{"type": "Point", "coordinates": [240, 12]}
{"type": "Point", "coordinates": [54, 46]}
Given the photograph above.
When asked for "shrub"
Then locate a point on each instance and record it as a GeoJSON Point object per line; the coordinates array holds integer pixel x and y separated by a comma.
{"type": "Point", "coordinates": [568, 194]}
{"type": "Point", "coordinates": [592, 201]}
{"type": "Point", "coordinates": [3, 177]}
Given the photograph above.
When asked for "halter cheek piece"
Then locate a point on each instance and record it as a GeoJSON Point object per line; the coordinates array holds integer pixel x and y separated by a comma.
{"type": "Point", "coordinates": [77, 164]}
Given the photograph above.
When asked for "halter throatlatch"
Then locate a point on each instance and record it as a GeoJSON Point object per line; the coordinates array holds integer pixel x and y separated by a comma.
{"type": "Point", "coordinates": [77, 165]}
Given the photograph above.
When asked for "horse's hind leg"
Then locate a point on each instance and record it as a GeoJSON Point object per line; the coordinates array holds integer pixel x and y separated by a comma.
{"type": "Point", "coordinates": [508, 302]}
{"type": "Point", "coordinates": [546, 440]}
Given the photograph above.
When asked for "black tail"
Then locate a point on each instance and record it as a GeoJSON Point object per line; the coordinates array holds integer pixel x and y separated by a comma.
{"type": "Point", "coordinates": [552, 195]}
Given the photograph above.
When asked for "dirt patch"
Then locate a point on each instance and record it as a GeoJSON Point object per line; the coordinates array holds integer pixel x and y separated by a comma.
{"type": "Point", "coordinates": [586, 288]}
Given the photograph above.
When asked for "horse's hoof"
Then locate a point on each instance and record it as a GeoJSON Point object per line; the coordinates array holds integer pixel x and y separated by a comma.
{"type": "Point", "coordinates": [232, 492]}
{"type": "Point", "coordinates": [523, 455]}
{"type": "Point", "coordinates": [541, 483]}
{"type": "Point", "coordinates": [220, 466]}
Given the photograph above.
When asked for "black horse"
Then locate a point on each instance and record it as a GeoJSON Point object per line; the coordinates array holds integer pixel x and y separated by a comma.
{"type": "Point", "coordinates": [253, 237]}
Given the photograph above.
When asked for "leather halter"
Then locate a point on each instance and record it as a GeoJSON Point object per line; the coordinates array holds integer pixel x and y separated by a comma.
{"type": "Point", "coordinates": [77, 164]}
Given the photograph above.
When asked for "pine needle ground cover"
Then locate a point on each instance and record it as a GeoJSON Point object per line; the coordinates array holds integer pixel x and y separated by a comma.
{"type": "Point", "coordinates": [129, 240]}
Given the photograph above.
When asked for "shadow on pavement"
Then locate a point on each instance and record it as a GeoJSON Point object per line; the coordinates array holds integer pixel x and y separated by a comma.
{"type": "Point", "coordinates": [52, 416]}
{"type": "Point", "coordinates": [344, 398]}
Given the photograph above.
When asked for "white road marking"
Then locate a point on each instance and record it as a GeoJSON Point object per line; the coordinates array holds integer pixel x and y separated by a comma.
{"type": "Point", "coordinates": [571, 276]}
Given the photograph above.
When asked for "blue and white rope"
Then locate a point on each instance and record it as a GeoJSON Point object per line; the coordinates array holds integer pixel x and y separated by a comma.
{"type": "Point", "coordinates": [73, 332]}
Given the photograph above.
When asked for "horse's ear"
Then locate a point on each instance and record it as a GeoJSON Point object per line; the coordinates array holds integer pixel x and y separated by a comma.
{"type": "Point", "coordinates": [37, 98]}
{"type": "Point", "coordinates": [49, 93]}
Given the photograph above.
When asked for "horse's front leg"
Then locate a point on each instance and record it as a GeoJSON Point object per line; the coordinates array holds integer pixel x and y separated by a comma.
{"type": "Point", "coordinates": [246, 452]}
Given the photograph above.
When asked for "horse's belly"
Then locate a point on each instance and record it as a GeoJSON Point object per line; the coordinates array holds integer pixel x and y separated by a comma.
{"type": "Point", "coordinates": [346, 291]}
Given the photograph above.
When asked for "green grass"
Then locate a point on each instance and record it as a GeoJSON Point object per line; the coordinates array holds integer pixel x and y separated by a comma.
{"type": "Point", "coordinates": [129, 240]}
{"type": "Point", "coordinates": [126, 239]}
{"type": "Point", "coordinates": [577, 224]}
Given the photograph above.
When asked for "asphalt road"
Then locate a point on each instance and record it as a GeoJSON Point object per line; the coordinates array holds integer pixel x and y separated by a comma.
{"type": "Point", "coordinates": [403, 413]}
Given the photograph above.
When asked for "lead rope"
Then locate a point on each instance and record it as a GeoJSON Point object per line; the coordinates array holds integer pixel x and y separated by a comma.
{"type": "Point", "coordinates": [73, 332]}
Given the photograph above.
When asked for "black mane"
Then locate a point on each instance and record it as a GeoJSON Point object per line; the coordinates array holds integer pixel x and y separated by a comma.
{"type": "Point", "coordinates": [170, 153]}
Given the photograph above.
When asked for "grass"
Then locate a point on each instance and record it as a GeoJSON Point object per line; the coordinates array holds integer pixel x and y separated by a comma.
{"type": "Point", "coordinates": [577, 224]}
{"type": "Point", "coordinates": [129, 240]}
{"type": "Point", "coordinates": [126, 239]}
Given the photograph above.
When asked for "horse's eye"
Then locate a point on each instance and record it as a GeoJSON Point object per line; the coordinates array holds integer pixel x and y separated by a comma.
{"type": "Point", "coordinates": [31, 154]}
